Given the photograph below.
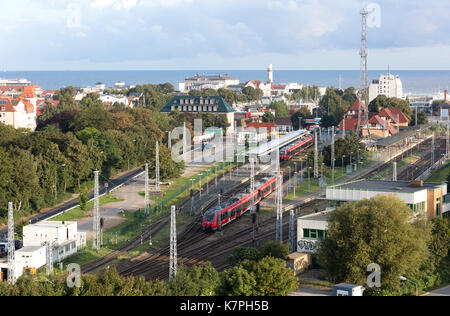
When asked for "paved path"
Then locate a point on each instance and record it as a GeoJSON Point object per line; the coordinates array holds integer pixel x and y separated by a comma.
{"type": "Point", "coordinates": [111, 211]}
{"type": "Point", "coordinates": [306, 291]}
{"type": "Point", "coordinates": [440, 292]}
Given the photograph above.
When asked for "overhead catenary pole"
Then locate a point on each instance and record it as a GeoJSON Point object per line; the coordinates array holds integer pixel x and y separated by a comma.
{"type": "Point", "coordinates": [173, 265]}
{"type": "Point", "coordinates": [146, 191]}
{"type": "Point", "coordinates": [447, 144]}
{"type": "Point", "coordinates": [184, 142]}
{"type": "Point", "coordinates": [333, 158]}
{"type": "Point", "coordinates": [96, 219]}
{"type": "Point", "coordinates": [292, 240]}
{"type": "Point", "coordinates": [158, 180]}
{"type": "Point", "coordinates": [11, 246]}
{"type": "Point", "coordinates": [316, 156]}
{"type": "Point", "coordinates": [279, 224]}
{"type": "Point", "coordinates": [252, 190]}
{"type": "Point", "coordinates": [49, 252]}
{"type": "Point", "coordinates": [394, 177]}
{"type": "Point", "coordinates": [432, 151]}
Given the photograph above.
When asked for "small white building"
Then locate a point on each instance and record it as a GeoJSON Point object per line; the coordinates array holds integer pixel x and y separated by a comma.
{"type": "Point", "coordinates": [310, 229]}
{"type": "Point", "coordinates": [112, 99]}
{"type": "Point", "coordinates": [64, 235]}
{"type": "Point", "coordinates": [32, 257]}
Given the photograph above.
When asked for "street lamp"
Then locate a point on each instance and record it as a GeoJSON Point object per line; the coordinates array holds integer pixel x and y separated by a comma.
{"type": "Point", "coordinates": [343, 163]}
{"type": "Point", "coordinates": [289, 182]}
{"type": "Point", "coordinates": [309, 179]}
{"type": "Point", "coordinates": [295, 182]}
{"type": "Point", "coordinates": [402, 278]}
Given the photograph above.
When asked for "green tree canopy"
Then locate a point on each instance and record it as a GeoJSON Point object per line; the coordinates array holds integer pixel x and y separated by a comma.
{"type": "Point", "coordinates": [378, 231]}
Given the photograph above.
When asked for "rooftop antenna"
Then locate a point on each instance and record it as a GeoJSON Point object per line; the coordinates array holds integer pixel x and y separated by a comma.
{"type": "Point", "coordinates": [11, 246]}
{"type": "Point", "coordinates": [173, 265]}
{"type": "Point", "coordinates": [96, 222]}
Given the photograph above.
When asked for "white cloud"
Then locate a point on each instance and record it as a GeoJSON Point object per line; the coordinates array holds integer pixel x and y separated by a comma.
{"type": "Point", "coordinates": [117, 4]}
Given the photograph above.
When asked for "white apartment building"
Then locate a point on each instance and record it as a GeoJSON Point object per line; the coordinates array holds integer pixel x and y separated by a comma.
{"type": "Point", "coordinates": [201, 81]}
{"type": "Point", "coordinates": [388, 85]}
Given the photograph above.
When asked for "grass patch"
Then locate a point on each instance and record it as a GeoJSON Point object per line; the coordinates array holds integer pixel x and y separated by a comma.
{"type": "Point", "coordinates": [440, 174]}
{"type": "Point", "coordinates": [78, 213]}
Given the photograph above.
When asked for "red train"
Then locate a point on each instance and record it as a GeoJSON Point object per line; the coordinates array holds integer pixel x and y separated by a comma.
{"type": "Point", "coordinates": [296, 146]}
{"type": "Point", "coordinates": [229, 211]}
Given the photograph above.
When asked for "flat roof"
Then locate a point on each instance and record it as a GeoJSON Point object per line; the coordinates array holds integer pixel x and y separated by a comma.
{"type": "Point", "coordinates": [30, 249]}
{"type": "Point", "coordinates": [386, 186]}
{"type": "Point", "coordinates": [392, 140]}
{"type": "Point", "coordinates": [51, 224]}
{"type": "Point", "coordinates": [320, 216]}
{"type": "Point", "coordinates": [269, 147]}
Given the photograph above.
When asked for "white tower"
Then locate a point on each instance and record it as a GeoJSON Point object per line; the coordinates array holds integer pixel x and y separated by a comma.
{"type": "Point", "coordinates": [270, 74]}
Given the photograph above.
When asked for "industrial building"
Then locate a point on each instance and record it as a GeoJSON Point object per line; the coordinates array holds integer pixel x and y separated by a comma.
{"type": "Point", "coordinates": [64, 235]}
{"type": "Point", "coordinates": [310, 229]}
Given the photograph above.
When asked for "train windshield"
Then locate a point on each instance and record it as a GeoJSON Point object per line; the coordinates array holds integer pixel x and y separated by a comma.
{"type": "Point", "coordinates": [209, 216]}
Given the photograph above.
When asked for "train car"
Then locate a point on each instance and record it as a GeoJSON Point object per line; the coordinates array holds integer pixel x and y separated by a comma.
{"type": "Point", "coordinates": [296, 146]}
{"type": "Point", "coordinates": [229, 211]}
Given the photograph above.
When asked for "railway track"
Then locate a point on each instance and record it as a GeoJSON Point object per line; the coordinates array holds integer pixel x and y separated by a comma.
{"type": "Point", "coordinates": [191, 245]}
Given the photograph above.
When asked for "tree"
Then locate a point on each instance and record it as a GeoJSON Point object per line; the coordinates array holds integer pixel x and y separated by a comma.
{"type": "Point", "coordinates": [298, 118]}
{"type": "Point", "coordinates": [281, 108]}
{"type": "Point", "coordinates": [382, 102]}
{"type": "Point", "coordinates": [244, 253]}
{"type": "Point", "coordinates": [272, 277]}
{"type": "Point", "coordinates": [236, 281]}
{"type": "Point", "coordinates": [348, 147]}
{"type": "Point", "coordinates": [422, 118]}
{"type": "Point", "coordinates": [378, 231]}
{"type": "Point", "coordinates": [194, 281]}
{"type": "Point", "coordinates": [83, 199]}
{"type": "Point", "coordinates": [268, 117]}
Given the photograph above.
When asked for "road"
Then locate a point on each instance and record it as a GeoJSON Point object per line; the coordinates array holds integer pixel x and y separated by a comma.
{"type": "Point", "coordinates": [440, 292]}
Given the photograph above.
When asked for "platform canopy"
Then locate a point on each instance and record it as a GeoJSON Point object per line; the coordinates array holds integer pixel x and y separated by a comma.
{"type": "Point", "coordinates": [280, 142]}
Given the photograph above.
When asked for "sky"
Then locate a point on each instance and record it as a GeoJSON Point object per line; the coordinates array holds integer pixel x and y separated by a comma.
{"type": "Point", "coordinates": [222, 34]}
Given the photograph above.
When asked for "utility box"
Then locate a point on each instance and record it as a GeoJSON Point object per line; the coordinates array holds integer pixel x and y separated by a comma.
{"type": "Point", "coordinates": [348, 290]}
{"type": "Point", "coordinates": [299, 262]}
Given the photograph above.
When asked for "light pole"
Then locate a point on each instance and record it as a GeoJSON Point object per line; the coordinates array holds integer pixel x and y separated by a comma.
{"type": "Point", "coordinates": [200, 188]}
{"type": "Point", "coordinates": [295, 182]}
{"type": "Point", "coordinates": [402, 278]}
{"type": "Point", "coordinates": [343, 163]}
{"type": "Point", "coordinates": [207, 182]}
{"type": "Point", "coordinates": [309, 179]}
{"type": "Point", "coordinates": [334, 163]}
{"type": "Point", "coordinates": [289, 182]}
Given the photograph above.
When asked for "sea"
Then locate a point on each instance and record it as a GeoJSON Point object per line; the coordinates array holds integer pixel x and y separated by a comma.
{"type": "Point", "coordinates": [415, 82]}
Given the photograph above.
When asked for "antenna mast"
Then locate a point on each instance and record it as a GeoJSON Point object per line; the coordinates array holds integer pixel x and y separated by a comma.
{"type": "Point", "coordinates": [363, 83]}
